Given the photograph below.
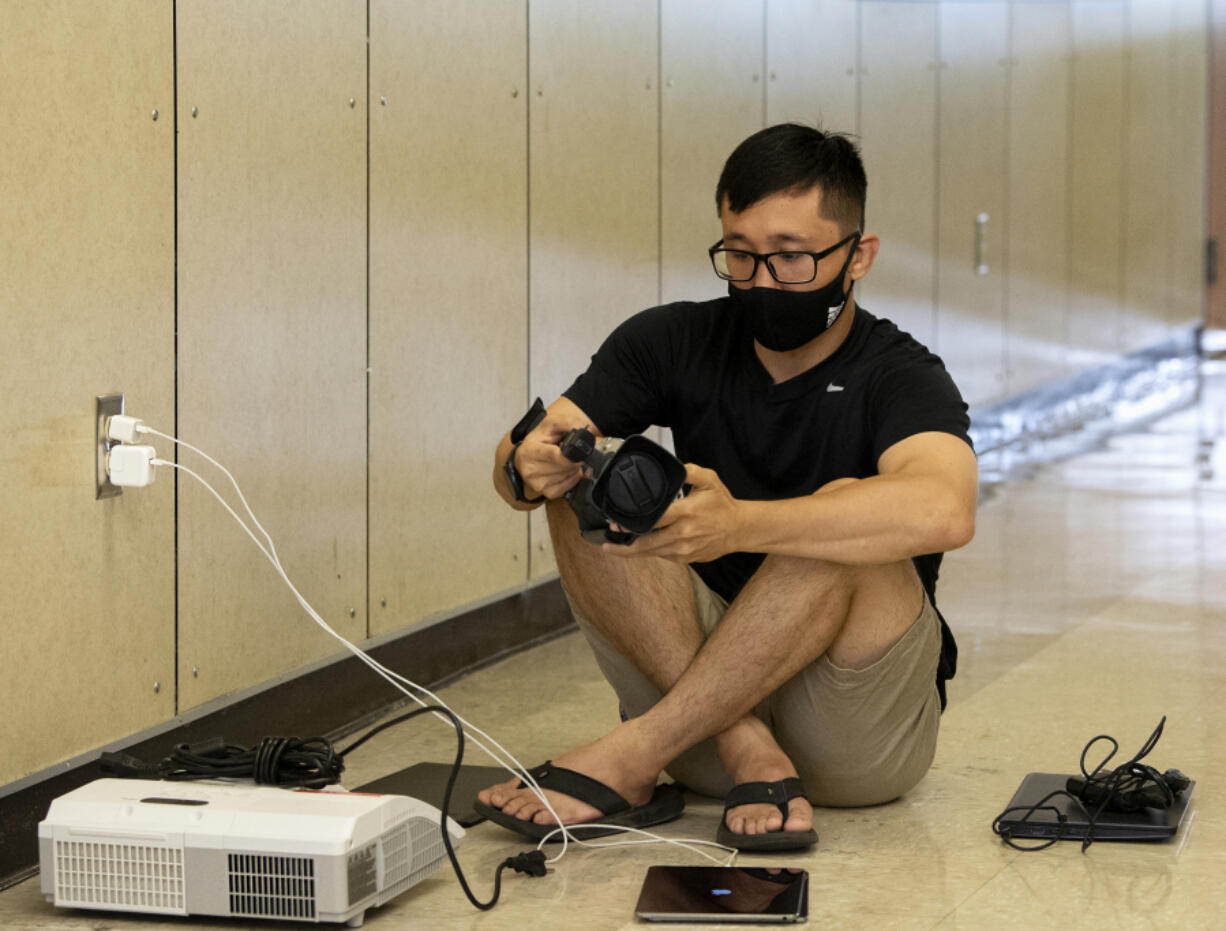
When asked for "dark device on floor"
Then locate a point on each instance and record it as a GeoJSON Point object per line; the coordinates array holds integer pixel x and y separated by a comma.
{"type": "Point", "coordinates": [428, 781]}
{"type": "Point", "coordinates": [628, 482]}
{"type": "Point", "coordinates": [724, 894]}
{"type": "Point", "coordinates": [1147, 824]}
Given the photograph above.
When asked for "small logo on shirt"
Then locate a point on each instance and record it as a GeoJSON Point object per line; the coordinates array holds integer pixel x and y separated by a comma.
{"type": "Point", "coordinates": [833, 387]}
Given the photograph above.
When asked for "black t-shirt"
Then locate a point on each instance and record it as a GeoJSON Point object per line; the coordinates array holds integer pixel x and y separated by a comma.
{"type": "Point", "coordinates": [691, 367]}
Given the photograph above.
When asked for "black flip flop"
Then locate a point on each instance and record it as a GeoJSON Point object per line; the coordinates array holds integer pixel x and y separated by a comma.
{"type": "Point", "coordinates": [666, 804]}
{"type": "Point", "coordinates": [765, 793]}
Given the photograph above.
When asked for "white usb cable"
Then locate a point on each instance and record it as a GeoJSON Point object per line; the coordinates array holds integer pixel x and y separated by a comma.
{"type": "Point", "coordinates": [140, 462]}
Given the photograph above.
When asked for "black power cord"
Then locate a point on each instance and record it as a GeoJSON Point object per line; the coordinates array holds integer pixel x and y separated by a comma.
{"type": "Point", "coordinates": [1128, 787]}
{"type": "Point", "coordinates": [531, 862]}
{"type": "Point", "coordinates": [292, 762]}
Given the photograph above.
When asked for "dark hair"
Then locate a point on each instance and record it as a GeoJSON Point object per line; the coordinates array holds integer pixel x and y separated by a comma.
{"type": "Point", "coordinates": [795, 158]}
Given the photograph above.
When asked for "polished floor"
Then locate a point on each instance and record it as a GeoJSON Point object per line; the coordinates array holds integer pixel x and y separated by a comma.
{"type": "Point", "coordinates": [1092, 600]}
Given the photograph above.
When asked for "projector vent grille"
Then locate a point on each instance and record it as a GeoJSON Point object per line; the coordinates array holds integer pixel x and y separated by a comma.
{"type": "Point", "coordinates": [134, 876]}
{"type": "Point", "coordinates": [411, 852]}
{"type": "Point", "coordinates": [272, 887]}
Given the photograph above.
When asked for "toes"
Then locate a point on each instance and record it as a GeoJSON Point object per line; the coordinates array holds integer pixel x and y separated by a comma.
{"type": "Point", "coordinates": [754, 819]}
{"type": "Point", "coordinates": [542, 816]}
{"type": "Point", "coordinates": [500, 794]}
{"type": "Point", "coordinates": [736, 823]}
{"type": "Point", "coordinates": [765, 819]}
{"type": "Point", "coordinates": [800, 816]}
{"type": "Point", "coordinates": [517, 805]}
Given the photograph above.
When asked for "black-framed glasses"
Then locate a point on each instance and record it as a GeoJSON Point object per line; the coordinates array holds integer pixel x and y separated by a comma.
{"type": "Point", "coordinates": [788, 267]}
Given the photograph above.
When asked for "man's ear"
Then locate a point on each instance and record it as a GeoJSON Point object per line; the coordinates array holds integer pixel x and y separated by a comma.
{"type": "Point", "coordinates": [866, 253]}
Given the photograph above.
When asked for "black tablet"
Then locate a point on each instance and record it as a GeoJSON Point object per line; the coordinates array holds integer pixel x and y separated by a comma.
{"type": "Point", "coordinates": [724, 894]}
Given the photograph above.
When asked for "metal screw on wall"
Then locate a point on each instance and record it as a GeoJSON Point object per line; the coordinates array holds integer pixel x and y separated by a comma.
{"type": "Point", "coordinates": [155, 116]}
{"type": "Point", "coordinates": [353, 612]}
{"type": "Point", "coordinates": [194, 112]}
{"type": "Point", "coordinates": [195, 672]}
{"type": "Point", "coordinates": [157, 687]}
{"type": "Point", "coordinates": [352, 102]}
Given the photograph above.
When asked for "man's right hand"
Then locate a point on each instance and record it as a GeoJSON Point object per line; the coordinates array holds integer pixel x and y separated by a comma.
{"type": "Point", "coordinates": [543, 468]}
{"type": "Point", "coordinates": [545, 471]}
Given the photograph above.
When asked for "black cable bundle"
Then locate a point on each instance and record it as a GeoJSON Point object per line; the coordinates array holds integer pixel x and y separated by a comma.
{"type": "Point", "coordinates": [1131, 786]}
{"type": "Point", "coordinates": [276, 761]}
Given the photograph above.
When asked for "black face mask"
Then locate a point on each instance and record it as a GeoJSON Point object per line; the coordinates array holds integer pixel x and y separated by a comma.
{"type": "Point", "coordinates": [783, 320]}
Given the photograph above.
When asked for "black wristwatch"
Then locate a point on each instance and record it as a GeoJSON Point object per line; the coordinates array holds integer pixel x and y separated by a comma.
{"type": "Point", "coordinates": [536, 413]}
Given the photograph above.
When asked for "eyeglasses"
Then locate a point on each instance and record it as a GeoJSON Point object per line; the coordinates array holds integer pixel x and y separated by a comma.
{"type": "Point", "coordinates": [785, 267]}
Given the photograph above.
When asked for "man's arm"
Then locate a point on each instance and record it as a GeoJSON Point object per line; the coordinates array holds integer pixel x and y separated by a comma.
{"type": "Point", "coordinates": [545, 471]}
{"type": "Point", "coordinates": [923, 501]}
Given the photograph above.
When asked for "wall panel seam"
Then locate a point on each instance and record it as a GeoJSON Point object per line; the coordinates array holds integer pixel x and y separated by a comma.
{"type": "Point", "coordinates": [1007, 197]}
{"type": "Point", "coordinates": [174, 65]}
{"type": "Point", "coordinates": [1125, 168]}
{"type": "Point", "coordinates": [659, 151]}
{"type": "Point", "coordinates": [936, 185]}
{"type": "Point", "coordinates": [528, 567]}
{"type": "Point", "coordinates": [368, 429]}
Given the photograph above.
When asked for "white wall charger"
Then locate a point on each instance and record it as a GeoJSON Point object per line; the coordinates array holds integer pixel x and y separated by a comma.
{"type": "Point", "coordinates": [130, 466]}
{"type": "Point", "coordinates": [122, 428]}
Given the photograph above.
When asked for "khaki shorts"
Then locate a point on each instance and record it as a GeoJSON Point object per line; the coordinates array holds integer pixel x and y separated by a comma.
{"type": "Point", "coordinates": [856, 736]}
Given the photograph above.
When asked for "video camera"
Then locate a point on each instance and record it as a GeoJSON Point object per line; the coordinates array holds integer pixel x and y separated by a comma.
{"type": "Point", "coordinates": [629, 482]}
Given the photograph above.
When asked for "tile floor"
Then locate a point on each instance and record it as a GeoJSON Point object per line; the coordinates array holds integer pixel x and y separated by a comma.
{"type": "Point", "coordinates": [1092, 600]}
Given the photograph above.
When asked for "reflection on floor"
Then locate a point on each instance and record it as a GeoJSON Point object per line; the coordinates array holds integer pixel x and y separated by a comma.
{"type": "Point", "coordinates": [1092, 600]}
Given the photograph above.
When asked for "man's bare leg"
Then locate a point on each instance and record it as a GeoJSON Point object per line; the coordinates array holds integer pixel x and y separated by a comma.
{"type": "Point", "coordinates": [791, 612]}
{"type": "Point", "coordinates": [645, 608]}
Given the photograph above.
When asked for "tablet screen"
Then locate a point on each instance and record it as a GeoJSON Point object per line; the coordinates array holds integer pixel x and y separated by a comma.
{"type": "Point", "coordinates": [724, 894]}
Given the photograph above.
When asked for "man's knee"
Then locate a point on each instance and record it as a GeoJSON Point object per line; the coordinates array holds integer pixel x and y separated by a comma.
{"type": "Point", "coordinates": [871, 772]}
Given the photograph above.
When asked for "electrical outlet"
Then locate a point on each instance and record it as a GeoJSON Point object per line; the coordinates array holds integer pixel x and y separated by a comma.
{"type": "Point", "coordinates": [105, 405]}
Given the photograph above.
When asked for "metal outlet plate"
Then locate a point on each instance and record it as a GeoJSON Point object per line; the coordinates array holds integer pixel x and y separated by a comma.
{"type": "Point", "coordinates": [105, 405]}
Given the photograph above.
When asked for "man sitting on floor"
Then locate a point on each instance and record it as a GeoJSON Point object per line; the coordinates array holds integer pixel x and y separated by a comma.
{"type": "Point", "coordinates": [774, 642]}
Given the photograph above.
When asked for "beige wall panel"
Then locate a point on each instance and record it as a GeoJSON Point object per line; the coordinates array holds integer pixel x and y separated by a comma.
{"type": "Point", "coordinates": [711, 100]}
{"type": "Point", "coordinates": [1037, 243]}
{"type": "Point", "coordinates": [898, 118]}
{"type": "Point", "coordinates": [811, 48]}
{"type": "Point", "coordinates": [595, 189]}
{"type": "Point", "coordinates": [1148, 233]}
{"type": "Point", "coordinates": [448, 315]}
{"type": "Point", "coordinates": [272, 330]}
{"type": "Point", "coordinates": [1188, 151]}
{"type": "Point", "coordinates": [87, 303]}
{"type": "Point", "coordinates": [970, 326]}
{"type": "Point", "coordinates": [1096, 179]}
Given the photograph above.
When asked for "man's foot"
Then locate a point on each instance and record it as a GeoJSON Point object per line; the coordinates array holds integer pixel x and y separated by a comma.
{"type": "Point", "coordinates": [619, 760]}
{"type": "Point", "coordinates": [750, 754]}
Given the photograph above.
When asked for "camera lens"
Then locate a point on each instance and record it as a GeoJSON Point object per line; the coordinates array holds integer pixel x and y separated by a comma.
{"type": "Point", "coordinates": [637, 486]}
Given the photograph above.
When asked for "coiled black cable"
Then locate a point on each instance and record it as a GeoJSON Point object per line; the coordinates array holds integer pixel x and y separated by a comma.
{"type": "Point", "coordinates": [291, 762]}
{"type": "Point", "coordinates": [1116, 789]}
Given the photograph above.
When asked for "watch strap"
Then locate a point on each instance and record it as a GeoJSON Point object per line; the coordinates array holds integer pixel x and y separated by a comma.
{"type": "Point", "coordinates": [536, 413]}
{"type": "Point", "coordinates": [515, 480]}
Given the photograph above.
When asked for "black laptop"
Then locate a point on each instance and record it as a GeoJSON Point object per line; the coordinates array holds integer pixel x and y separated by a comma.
{"type": "Point", "coordinates": [428, 781]}
{"type": "Point", "coordinates": [1149, 824]}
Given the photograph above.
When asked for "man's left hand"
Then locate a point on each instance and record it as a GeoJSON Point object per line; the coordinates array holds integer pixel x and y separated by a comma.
{"type": "Point", "coordinates": [698, 528]}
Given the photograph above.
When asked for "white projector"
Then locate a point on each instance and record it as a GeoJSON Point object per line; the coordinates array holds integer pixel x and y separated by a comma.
{"type": "Point", "coordinates": [211, 848]}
